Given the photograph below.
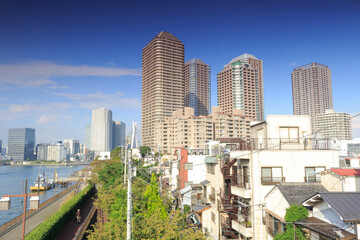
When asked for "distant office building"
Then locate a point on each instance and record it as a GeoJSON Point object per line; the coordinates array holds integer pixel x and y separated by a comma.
{"type": "Point", "coordinates": [72, 146]}
{"type": "Point", "coordinates": [185, 130]}
{"type": "Point", "coordinates": [119, 129]}
{"type": "Point", "coordinates": [42, 151]}
{"type": "Point", "coordinates": [163, 82]}
{"type": "Point", "coordinates": [197, 87]}
{"type": "Point", "coordinates": [312, 91]}
{"type": "Point", "coordinates": [333, 125]}
{"type": "Point", "coordinates": [101, 130]}
{"type": "Point", "coordinates": [240, 86]}
{"type": "Point", "coordinates": [88, 136]}
{"type": "Point", "coordinates": [3, 151]}
{"type": "Point", "coordinates": [0, 147]}
{"type": "Point", "coordinates": [82, 148]}
{"type": "Point", "coordinates": [21, 144]}
{"type": "Point", "coordinates": [56, 152]}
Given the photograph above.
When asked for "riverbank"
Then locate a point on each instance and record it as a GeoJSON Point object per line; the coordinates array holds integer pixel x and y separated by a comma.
{"type": "Point", "coordinates": [48, 164]}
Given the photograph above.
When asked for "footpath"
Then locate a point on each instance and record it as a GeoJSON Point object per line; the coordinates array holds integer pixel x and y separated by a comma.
{"type": "Point", "coordinates": [72, 227]}
{"type": "Point", "coordinates": [32, 221]}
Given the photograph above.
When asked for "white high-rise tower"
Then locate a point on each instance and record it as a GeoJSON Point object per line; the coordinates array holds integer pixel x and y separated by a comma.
{"type": "Point", "coordinates": [101, 130]}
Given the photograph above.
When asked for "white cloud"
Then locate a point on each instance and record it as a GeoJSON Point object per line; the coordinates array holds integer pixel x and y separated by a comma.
{"type": "Point", "coordinates": [100, 99]}
{"type": "Point", "coordinates": [37, 73]}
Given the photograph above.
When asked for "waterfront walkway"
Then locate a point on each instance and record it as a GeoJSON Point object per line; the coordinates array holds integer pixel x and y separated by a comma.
{"type": "Point", "coordinates": [33, 220]}
{"type": "Point", "coordinates": [72, 227]}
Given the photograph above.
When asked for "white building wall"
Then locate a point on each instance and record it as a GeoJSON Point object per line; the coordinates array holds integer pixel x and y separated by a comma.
{"type": "Point", "coordinates": [101, 130]}
{"type": "Point", "coordinates": [198, 173]}
{"type": "Point", "coordinates": [278, 203]}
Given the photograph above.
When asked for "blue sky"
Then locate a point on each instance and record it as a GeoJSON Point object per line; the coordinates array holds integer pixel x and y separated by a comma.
{"type": "Point", "coordinates": [60, 59]}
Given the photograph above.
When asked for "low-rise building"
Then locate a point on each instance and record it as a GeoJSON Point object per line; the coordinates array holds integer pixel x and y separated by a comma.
{"type": "Point", "coordinates": [341, 179]}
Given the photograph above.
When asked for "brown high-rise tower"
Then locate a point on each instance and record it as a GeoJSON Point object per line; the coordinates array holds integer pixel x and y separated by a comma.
{"type": "Point", "coordinates": [163, 82]}
{"type": "Point", "coordinates": [312, 91]}
{"type": "Point", "coordinates": [240, 86]}
{"type": "Point", "coordinates": [197, 86]}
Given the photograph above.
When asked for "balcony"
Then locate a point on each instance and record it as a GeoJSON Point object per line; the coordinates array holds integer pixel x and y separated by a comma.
{"type": "Point", "coordinates": [237, 144]}
{"type": "Point", "coordinates": [242, 190]}
{"type": "Point", "coordinates": [243, 228]}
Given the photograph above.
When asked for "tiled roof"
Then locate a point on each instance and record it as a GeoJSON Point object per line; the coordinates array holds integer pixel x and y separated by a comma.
{"type": "Point", "coordinates": [346, 171]}
{"type": "Point", "coordinates": [325, 228]}
{"type": "Point", "coordinates": [296, 193]}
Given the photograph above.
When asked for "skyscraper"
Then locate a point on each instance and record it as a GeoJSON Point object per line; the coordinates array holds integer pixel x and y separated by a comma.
{"type": "Point", "coordinates": [197, 86]}
{"type": "Point", "coordinates": [101, 130]}
{"type": "Point", "coordinates": [312, 91]}
{"type": "Point", "coordinates": [163, 82]}
{"type": "Point", "coordinates": [88, 136]}
{"type": "Point", "coordinates": [240, 86]}
{"type": "Point", "coordinates": [118, 134]}
{"type": "Point", "coordinates": [42, 151]}
{"type": "Point", "coordinates": [21, 144]}
{"type": "Point", "coordinates": [334, 125]}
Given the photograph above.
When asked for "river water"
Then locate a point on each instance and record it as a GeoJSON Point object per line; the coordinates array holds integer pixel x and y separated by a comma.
{"type": "Point", "coordinates": [11, 178]}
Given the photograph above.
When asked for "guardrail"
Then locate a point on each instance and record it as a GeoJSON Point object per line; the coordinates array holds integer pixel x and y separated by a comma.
{"type": "Point", "coordinates": [85, 224]}
{"type": "Point", "coordinates": [31, 212]}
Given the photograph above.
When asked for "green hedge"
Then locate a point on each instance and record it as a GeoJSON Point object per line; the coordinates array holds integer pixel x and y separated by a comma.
{"type": "Point", "coordinates": [54, 224]}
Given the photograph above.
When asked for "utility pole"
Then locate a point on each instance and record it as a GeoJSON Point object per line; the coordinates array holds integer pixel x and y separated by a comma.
{"type": "Point", "coordinates": [129, 203]}
{"type": "Point", "coordinates": [160, 188]}
{"type": "Point", "coordinates": [125, 163]}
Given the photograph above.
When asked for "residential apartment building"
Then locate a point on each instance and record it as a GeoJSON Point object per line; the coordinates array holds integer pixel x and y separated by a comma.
{"type": "Point", "coordinates": [101, 130]}
{"type": "Point", "coordinates": [312, 90]}
{"type": "Point", "coordinates": [56, 152]}
{"type": "Point", "coordinates": [279, 151]}
{"type": "Point", "coordinates": [42, 151]}
{"type": "Point", "coordinates": [163, 82]}
{"type": "Point", "coordinates": [240, 86]}
{"type": "Point", "coordinates": [198, 86]}
{"type": "Point", "coordinates": [72, 147]}
{"type": "Point", "coordinates": [334, 125]}
{"type": "Point", "coordinates": [88, 136]}
{"type": "Point", "coordinates": [21, 144]}
{"type": "Point", "coordinates": [185, 130]}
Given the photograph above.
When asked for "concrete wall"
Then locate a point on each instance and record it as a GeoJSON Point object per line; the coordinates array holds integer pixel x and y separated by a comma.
{"type": "Point", "coordinates": [198, 173]}
{"type": "Point", "coordinates": [277, 203]}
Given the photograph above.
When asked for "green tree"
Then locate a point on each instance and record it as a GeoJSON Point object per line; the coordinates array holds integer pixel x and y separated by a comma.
{"type": "Point", "coordinates": [294, 213]}
{"type": "Point", "coordinates": [145, 150]}
{"type": "Point", "coordinates": [153, 198]}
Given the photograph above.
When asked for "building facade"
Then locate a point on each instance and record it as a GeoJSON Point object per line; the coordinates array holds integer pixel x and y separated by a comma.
{"type": "Point", "coordinates": [0, 147]}
{"type": "Point", "coordinates": [163, 82]}
{"type": "Point", "coordinates": [88, 136]}
{"type": "Point", "coordinates": [119, 131]}
{"type": "Point", "coordinates": [72, 147]}
{"type": "Point", "coordinates": [197, 87]}
{"type": "Point", "coordinates": [312, 91]}
{"type": "Point", "coordinates": [101, 130]}
{"type": "Point", "coordinates": [240, 86]}
{"type": "Point", "coordinates": [21, 144]}
{"type": "Point", "coordinates": [185, 130]}
{"type": "Point", "coordinates": [334, 125]}
{"type": "Point", "coordinates": [56, 152]}
{"type": "Point", "coordinates": [42, 151]}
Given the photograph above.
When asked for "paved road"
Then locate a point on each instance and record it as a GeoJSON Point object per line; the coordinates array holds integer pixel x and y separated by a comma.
{"type": "Point", "coordinates": [38, 217]}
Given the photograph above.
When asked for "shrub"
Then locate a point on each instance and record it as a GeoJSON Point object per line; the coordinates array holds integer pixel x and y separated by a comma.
{"type": "Point", "coordinates": [54, 224]}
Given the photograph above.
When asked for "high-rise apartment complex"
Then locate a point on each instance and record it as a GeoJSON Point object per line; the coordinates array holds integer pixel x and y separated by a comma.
{"type": "Point", "coordinates": [72, 146]}
{"type": "Point", "coordinates": [42, 151]}
{"type": "Point", "coordinates": [312, 91]}
{"type": "Point", "coordinates": [334, 125]}
{"type": "Point", "coordinates": [240, 86]}
{"type": "Point", "coordinates": [185, 130]}
{"type": "Point", "coordinates": [197, 86]}
{"type": "Point", "coordinates": [21, 144]}
{"type": "Point", "coordinates": [56, 152]}
{"type": "Point", "coordinates": [163, 82]}
{"type": "Point", "coordinates": [119, 129]}
{"type": "Point", "coordinates": [101, 130]}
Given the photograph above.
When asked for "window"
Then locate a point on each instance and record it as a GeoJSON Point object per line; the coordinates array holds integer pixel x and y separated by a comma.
{"type": "Point", "coordinates": [210, 168]}
{"type": "Point", "coordinates": [186, 184]}
{"type": "Point", "coordinates": [213, 217]}
{"type": "Point", "coordinates": [289, 134]}
{"type": "Point", "coordinates": [188, 166]}
{"type": "Point", "coordinates": [271, 175]}
{"type": "Point", "coordinates": [311, 174]}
